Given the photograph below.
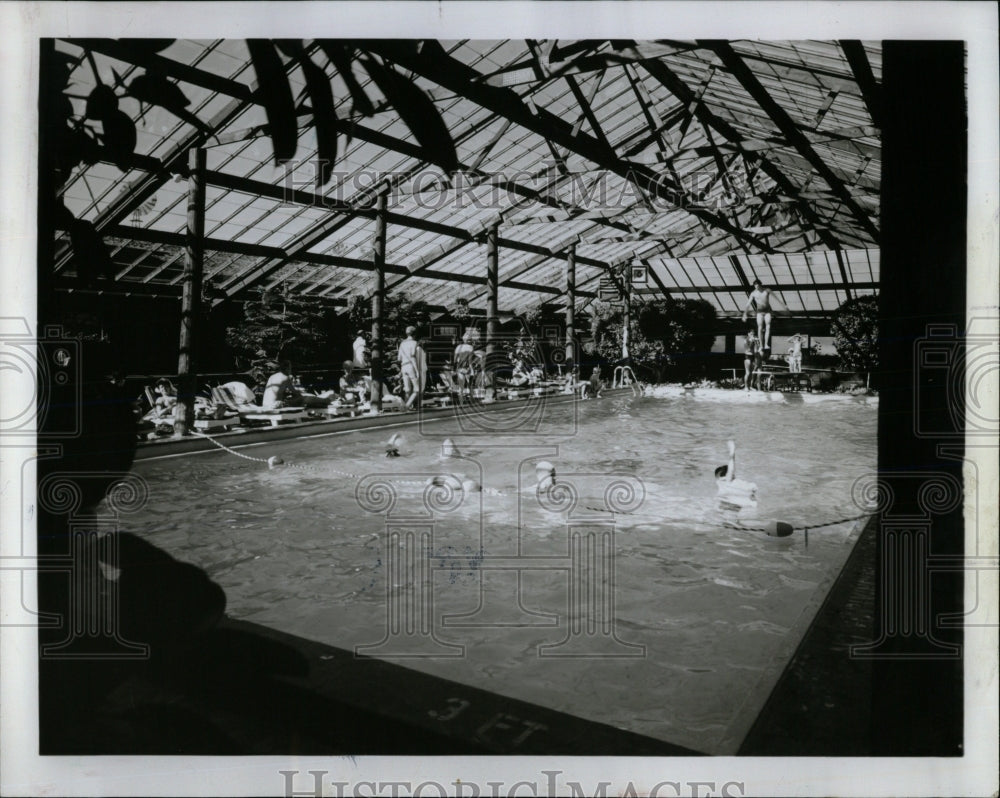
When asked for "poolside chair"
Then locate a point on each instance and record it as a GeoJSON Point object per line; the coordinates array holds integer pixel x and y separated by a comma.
{"type": "Point", "coordinates": [254, 412]}
{"type": "Point", "coordinates": [441, 396]}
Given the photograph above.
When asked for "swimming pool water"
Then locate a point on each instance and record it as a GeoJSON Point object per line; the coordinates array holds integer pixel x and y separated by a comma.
{"type": "Point", "coordinates": [704, 616]}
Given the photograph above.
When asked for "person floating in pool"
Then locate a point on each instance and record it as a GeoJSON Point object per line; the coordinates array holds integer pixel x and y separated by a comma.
{"type": "Point", "coordinates": [734, 494]}
{"type": "Point", "coordinates": [760, 301]}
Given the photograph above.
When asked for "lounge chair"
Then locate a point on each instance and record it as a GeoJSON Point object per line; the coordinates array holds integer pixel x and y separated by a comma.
{"type": "Point", "coordinates": [254, 412]}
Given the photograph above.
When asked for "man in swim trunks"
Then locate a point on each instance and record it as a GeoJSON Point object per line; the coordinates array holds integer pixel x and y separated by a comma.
{"type": "Point", "coordinates": [751, 357]}
{"type": "Point", "coordinates": [760, 299]}
{"type": "Point", "coordinates": [409, 357]}
{"type": "Point", "coordinates": [734, 494]}
{"type": "Point", "coordinates": [464, 363]}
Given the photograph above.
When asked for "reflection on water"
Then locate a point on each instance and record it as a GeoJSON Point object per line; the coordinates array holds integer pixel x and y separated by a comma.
{"type": "Point", "coordinates": [718, 609]}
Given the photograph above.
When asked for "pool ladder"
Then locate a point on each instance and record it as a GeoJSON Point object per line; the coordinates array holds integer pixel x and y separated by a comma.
{"type": "Point", "coordinates": [623, 373]}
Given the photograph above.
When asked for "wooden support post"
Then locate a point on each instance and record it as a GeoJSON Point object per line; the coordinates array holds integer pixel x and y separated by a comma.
{"type": "Point", "coordinates": [627, 320]}
{"type": "Point", "coordinates": [492, 287]}
{"type": "Point", "coordinates": [571, 309]}
{"type": "Point", "coordinates": [378, 300]}
{"type": "Point", "coordinates": [191, 296]}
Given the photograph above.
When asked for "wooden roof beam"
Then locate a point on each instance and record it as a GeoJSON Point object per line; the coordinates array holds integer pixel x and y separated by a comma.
{"type": "Point", "coordinates": [174, 162]}
{"type": "Point", "coordinates": [870, 90]}
{"type": "Point", "coordinates": [684, 93]}
{"type": "Point", "coordinates": [434, 64]}
{"type": "Point", "coordinates": [735, 64]}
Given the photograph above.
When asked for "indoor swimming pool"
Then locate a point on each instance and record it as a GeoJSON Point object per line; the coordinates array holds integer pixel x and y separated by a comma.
{"type": "Point", "coordinates": [624, 595]}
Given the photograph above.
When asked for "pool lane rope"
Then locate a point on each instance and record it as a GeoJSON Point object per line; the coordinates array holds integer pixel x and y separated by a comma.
{"type": "Point", "coordinates": [544, 470]}
{"type": "Point", "coordinates": [775, 529]}
{"type": "Point", "coordinates": [274, 461]}
{"type": "Point", "coordinates": [782, 529]}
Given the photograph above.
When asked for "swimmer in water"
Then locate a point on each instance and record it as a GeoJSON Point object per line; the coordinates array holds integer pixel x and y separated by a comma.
{"type": "Point", "coordinates": [545, 474]}
{"type": "Point", "coordinates": [734, 494]}
{"type": "Point", "coordinates": [392, 445]}
{"type": "Point", "coordinates": [760, 301]}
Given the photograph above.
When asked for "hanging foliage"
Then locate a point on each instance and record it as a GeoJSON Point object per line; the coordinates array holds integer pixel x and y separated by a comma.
{"type": "Point", "coordinates": [418, 112]}
{"type": "Point", "coordinates": [275, 94]}
{"type": "Point", "coordinates": [324, 114]}
{"type": "Point", "coordinates": [152, 89]}
{"type": "Point", "coordinates": [340, 55]}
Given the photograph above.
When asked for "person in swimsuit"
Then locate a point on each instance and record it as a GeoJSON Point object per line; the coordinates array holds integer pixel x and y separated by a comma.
{"type": "Point", "coordinates": [409, 358]}
{"type": "Point", "coordinates": [760, 300]}
{"type": "Point", "coordinates": [278, 390]}
{"type": "Point", "coordinates": [795, 354]}
{"type": "Point", "coordinates": [351, 384]}
{"type": "Point", "coordinates": [464, 364]}
{"type": "Point", "coordinates": [165, 400]}
{"type": "Point", "coordinates": [360, 346]}
{"type": "Point", "coordinates": [751, 357]}
{"type": "Point", "coordinates": [734, 494]}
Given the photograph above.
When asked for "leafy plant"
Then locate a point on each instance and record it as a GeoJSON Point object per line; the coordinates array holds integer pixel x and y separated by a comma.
{"type": "Point", "coordinates": [523, 349]}
{"type": "Point", "coordinates": [278, 325]}
{"type": "Point", "coordinates": [855, 333]}
{"type": "Point", "coordinates": [398, 313]}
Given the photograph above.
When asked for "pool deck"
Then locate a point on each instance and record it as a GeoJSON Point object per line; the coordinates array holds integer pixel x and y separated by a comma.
{"type": "Point", "coordinates": [189, 444]}
{"type": "Point", "coordinates": [173, 446]}
{"type": "Point", "coordinates": [821, 705]}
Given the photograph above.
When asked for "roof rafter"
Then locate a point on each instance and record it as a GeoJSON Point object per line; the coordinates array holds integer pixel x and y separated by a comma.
{"type": "Point", "coordinates": [436, 65]}
{"type": "Point", "coordinates": [735, 64]}
{"type": "Point", "coordinates": [174, 162]}
{"type": "Point", "coordinates": [260, 250]}
{"type": "Point", "coordinates": [683, 92]}
{"type": "Point", "coordinates": [862, 69]}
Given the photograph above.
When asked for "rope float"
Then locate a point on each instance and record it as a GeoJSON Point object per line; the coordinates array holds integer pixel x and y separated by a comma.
{"type": "Point", "coordinates": [782, 529]}
{"type": "Point", "coordinates": [774, 529]}
{"type": "Point", "coordinates": [392, 447]}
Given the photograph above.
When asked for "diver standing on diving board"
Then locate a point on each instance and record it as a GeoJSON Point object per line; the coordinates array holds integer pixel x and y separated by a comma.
{"type": "Point", "coordinates": [760, 300]}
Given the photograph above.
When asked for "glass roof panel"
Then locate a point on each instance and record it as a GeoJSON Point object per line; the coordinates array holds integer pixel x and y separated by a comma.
{"type": "Point", "coordinates": [811, 81]}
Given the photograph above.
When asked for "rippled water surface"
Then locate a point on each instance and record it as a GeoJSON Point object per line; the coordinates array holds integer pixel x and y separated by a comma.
{"type": "Point", "coordinates": [699, 618]}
